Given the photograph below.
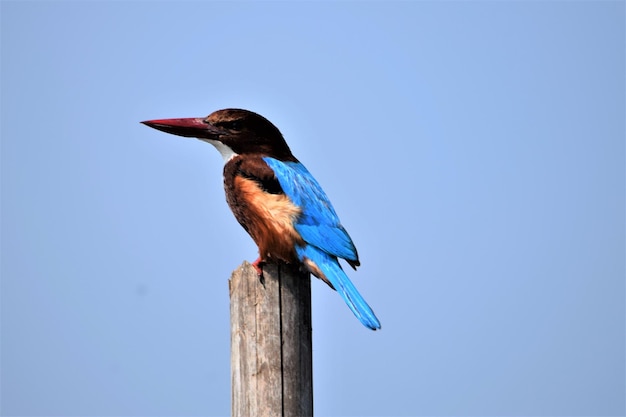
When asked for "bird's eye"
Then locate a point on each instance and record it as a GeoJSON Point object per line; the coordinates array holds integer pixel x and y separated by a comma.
{"type": "Point", "coordinates": [233, 125]}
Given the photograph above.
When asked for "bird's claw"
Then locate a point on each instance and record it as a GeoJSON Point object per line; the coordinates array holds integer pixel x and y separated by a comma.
{"type": "Point", "coordinates": [258, 266]}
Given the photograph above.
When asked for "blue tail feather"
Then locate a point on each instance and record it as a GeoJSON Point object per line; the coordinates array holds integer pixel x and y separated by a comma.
{"type": "Point", "coordinates": [329, 265]}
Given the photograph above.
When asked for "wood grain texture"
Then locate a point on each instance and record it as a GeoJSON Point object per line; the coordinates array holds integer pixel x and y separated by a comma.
{"type": "Point", "coordinates": [271, 345]}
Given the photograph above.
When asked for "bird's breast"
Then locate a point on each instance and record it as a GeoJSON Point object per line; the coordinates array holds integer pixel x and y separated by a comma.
{"type": "Point", "coordinates": [268, 217]}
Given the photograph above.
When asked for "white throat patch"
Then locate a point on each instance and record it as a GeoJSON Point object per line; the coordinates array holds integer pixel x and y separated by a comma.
{"type": "Point", "coordinates": [224, 150]}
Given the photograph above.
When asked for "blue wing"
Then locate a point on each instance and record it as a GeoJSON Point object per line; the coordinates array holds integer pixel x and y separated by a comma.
{"type": "Point", "coordinates": [326, 239]}
{"type": "Point", "coordinates": [318, 224]}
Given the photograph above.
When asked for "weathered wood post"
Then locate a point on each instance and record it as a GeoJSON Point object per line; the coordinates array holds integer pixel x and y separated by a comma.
{"type": "Point", "coordinates": [270, 342]}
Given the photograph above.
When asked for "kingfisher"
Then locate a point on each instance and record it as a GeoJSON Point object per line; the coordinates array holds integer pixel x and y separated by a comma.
{"type": "Point", "coordinates": [276, 200]}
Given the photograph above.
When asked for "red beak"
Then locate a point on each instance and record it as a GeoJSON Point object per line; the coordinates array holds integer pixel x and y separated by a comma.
{"type": "Point", "coordinates": [191, 127]}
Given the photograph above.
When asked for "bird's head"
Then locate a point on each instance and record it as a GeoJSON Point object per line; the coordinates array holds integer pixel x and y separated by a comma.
{"type": "Point", "coordinates": [232, 131]}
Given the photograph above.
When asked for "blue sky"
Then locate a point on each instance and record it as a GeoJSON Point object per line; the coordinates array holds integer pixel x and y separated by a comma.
{"type": "Point", "coordinates": [474, 151]}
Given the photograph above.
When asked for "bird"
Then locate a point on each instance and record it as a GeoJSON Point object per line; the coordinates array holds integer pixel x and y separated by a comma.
{"type": "Point", "coordinates": [277, 200]}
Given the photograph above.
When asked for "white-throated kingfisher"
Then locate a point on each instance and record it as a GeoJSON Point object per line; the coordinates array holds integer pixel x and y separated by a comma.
{"type": "Point", "coordinates": [276, 200]}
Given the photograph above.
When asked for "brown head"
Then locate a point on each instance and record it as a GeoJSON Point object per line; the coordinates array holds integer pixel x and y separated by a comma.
{"type": "Point", "coordinates": [232, 131]}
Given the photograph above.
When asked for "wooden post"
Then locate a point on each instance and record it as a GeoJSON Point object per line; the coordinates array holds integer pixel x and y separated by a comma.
{"type": "Point", "coordinates": [270, 342]}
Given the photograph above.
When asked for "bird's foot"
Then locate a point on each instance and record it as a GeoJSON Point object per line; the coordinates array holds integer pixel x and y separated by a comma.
{"type": "Point", "coordinates": [258, 265]}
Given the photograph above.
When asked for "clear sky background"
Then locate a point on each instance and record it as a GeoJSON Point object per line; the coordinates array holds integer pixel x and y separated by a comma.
{"type": "Point", "coordinates": [474, 151]}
